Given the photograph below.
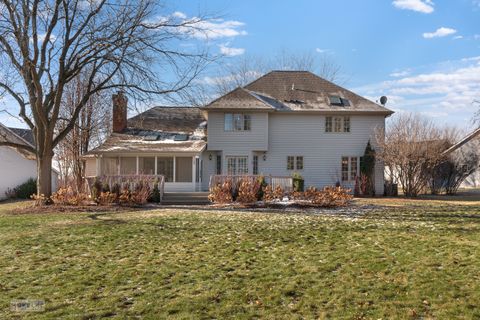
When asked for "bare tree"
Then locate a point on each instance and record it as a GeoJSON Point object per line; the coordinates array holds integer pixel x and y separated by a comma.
{"type": "Point", "coordinates": [128, 45]}
{"type": "Point", "coordinates": [412, 148]}
{"type": "Point", "coordinates": [249, 68]}
{"type": "Point", "coordinates": [91, 127]}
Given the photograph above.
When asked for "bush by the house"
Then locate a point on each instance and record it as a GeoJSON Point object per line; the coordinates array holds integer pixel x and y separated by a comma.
{"type": "Point", "coordinates": [328, 197]}
{"type": "Point", "coordinates": [155, 195]}
{"type": "Point", "coordinates": [221, 193]}
{"type": "Point", "coordinates": [69, 197]}
{"type": "Point", "coordinates": [270, 193]}
{"type": "Point", "coordinates": [248, 190]}
{"type": "Point", "coordinates": [298, 182]}
{"type": "Point", "coordinates": [24, 190]}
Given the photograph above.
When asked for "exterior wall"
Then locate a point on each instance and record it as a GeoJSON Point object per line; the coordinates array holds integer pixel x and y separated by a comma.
{"type": "Point", "coordinates": [304, 135]}
{"type": "Point", "coordinates": [238, 142]}
{"type": "Point", "coordinates": [91, 167]}
{"type": "Point", "coordinates": [208, 168]}
{"type": "Point", "coordinates": [15, 170]}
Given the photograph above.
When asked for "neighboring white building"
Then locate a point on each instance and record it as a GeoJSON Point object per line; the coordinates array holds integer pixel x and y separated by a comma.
{"type": "Point", "coordinates": [284, 122]}
{"type": "Point", "coordinates": [17, 165]}
{"type": "Point", "coordinates": [464, 148]}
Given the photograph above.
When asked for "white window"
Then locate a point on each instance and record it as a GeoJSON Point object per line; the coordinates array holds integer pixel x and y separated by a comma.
{"type": "Point", "coordinates": [237, 122]}
{"type": "Point", "coordinates": [228, 122]}
{"type": "Point", "coordinates": [294, 162]}
{"type": "Point", "coordinates": [328, 124]}
{"type": "Point", "coordinates": [350, 168]}
{"type": "Point", "coordinates": [237, 165]}
{"type": "Point", "coordinates": [255, 164]}
{"type": "Point", "coordinates": [337, 124]}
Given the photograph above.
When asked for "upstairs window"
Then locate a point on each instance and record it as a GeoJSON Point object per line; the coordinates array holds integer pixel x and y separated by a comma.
{"type": "Point", "coordinates": [338, 101]}
{"type": "Point", "coordinates": [237, 122]}
{"type": "Point", "coordinates": [337, 124]}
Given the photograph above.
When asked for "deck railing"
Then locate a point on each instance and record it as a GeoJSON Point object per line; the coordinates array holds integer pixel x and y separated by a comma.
{"type": "Point", "coordinates": [285, 182]}
{"type": "Point", "coordinates": [130, 181]}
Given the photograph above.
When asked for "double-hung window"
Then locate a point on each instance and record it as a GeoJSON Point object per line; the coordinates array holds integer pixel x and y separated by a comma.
{"type": "Point", "coordinates": [294, 162]}
{"type": "Point", "coordinates": [237, 122]}
{"type": "Point", "coordinates": [337, 124]}
{"type": "Point", "coordinates": [237, 165]}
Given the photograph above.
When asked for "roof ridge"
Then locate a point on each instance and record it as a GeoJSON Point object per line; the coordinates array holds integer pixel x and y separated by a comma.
{"type": "Point", "coordinates": [16, 135]}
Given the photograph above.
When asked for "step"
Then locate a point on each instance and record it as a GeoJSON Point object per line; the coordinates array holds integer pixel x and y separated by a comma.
{"type": "Point", "coordinates": [185, 198]}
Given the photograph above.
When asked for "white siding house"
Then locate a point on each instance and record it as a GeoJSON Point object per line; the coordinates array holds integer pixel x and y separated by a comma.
{"type": "Point", "coordinates": [17, 166]}
{"type": "Point", "coordinates": [284, 122]}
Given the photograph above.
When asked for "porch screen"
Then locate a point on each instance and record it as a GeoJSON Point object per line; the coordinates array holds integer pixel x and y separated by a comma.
{"type": "Point", "coordinates": [165, 168]}
{"type": "Point", "coordinates": [183, 169]}
{"type": "Point", "coordinates": [109, 166]}
{"type": "Point", "coordinates": [128, 165]}
{"type": "Point", "coordinates": [146, 165]}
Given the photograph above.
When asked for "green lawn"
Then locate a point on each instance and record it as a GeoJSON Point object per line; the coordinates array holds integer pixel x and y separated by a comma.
{"type": "Point", "coordinates": [409, 259]}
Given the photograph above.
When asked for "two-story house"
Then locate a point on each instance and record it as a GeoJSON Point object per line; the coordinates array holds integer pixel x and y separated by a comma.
{"type": "Point", "coordinates": [281, 123]}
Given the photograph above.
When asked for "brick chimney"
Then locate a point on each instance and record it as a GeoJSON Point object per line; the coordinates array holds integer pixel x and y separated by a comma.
{"type": "Point", "coordinates": [119, 112]}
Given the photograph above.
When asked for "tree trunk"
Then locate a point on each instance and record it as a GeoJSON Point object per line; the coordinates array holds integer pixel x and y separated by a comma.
{"type": "Point", "coordinates": [44, 175]}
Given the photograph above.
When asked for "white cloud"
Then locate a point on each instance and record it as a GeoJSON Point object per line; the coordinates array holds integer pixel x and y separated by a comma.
{"type": "Point", "coordinates": [398, 74]}
{"type": "Point", "coordinates": [229, 51]}
{"type": "Point", "coordinates": [178, 14]}
{"type": "Point", "coordinates": [424, 6]}
{"type": "Point", "coordinates": [199, 28]}
{"type": "Point", "coordinates": [321, 50]}
{"type": "Point", "coordinates": [444, 93]}
{"type": "Point", "coordinates": [440, 32]}
{"type": "Point", "coordinates": [457, 37]}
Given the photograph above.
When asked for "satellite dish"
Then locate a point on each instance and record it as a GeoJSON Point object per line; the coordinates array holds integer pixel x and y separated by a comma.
{"type": "Point", "coordinates": [383, 100]}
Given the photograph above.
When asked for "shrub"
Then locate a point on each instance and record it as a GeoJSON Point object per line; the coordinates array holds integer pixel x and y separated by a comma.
{"type": "Point", "coordinates": [248, 190]}
{"type": "Point", "coordinates": [263, 185]}
{"type": "Point", "coordinates": [68, 196]}
{"type": "Point", "coordinates": [116, 189]}
{"type": "Point", "coordinates": [298, 182]}
{"type": "Point", "coordinates": [96, 189]}
{"type": "Point", "coordinates": [141, 194]}
{"type": "Point", "coordinates": [271, 194]}
{"type": "Point", "coordinates": [23, 191]}
{"type": "Point", "coordinates": [107, 198]}
{"type": "Point", "coordinates": [155, 195]}
{"type": "Point", "coordinates": [328, 197]}
{"type": "Point", "coordinates": [221, 193]}
{"type": "Point", "coordinates": [105, 187]}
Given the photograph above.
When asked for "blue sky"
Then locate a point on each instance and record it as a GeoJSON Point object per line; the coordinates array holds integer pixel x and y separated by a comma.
{"type": "Point", "coordinates": [423, 54]}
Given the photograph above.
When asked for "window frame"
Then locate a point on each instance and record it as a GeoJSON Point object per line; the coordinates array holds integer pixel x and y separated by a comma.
{"type": "Point", "coordinates": [349, 174]}
{"type": "Point", "coordinates": [238, 162]}
{"type": "Point", "coordinates": [329, 124]}
{"type": "Point", "coordinates": [299, 160]}
{"type": "Point", "coordinates": [338, 124]}
{"type": "Point", "coordinates": [290, 162]}
{"type": "Point", "coordinates": [234, 122]}
{"type": "Point", "coordinates": [255, 164]}
{"type": "Point", "coordinates": [344, 169]}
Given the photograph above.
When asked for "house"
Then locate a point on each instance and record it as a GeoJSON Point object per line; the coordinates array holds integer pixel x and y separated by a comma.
{"type": "Point", "coordinates": [464, 149]}
{"type": "Point", "coordinates": [18, 165]}
{"type": "Point", "coordinates": [281, 123]}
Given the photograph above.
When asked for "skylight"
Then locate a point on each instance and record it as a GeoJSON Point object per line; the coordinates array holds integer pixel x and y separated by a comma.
{"type": "Point", "coordinates": [180, 137]}
{"type": "Point", "coordinates": [338, 101]}
{"type": "Point", "coordinates": [151, 137]}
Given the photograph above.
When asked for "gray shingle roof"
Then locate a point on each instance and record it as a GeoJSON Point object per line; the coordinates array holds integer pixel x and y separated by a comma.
{"type": "Point", "coordinates": [162, 123]}
{"type": "Point", "coordinates": [25, 134]}
{"type": "Point", "coordinates": [293, 91]}
{"type": "Point", "coordinates": [168, 119]}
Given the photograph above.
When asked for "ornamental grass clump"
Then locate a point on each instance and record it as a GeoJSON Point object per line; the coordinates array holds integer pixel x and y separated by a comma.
{"type": "Point", "coordinates": [222, 192]}
{"type": "Point", "coordinates": [248, 191]}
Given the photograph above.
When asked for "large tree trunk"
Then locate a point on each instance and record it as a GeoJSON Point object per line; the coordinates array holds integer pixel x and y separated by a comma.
{"type": "Point", "coordinates": [44, 175]}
